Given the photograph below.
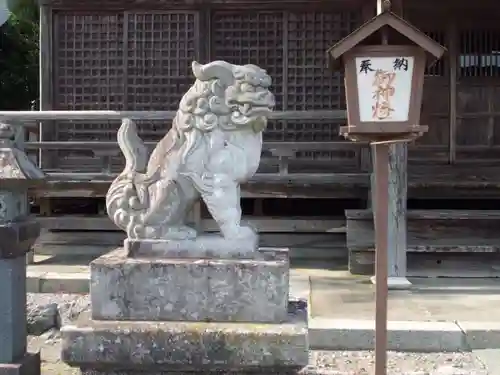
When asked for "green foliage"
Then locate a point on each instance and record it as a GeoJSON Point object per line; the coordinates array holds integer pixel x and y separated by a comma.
{"type": "Point", "coordinates": [19, 57]}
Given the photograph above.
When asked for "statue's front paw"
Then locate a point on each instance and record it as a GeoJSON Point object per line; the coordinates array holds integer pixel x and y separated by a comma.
{"type": "Point", "coordinates": [180, 233]}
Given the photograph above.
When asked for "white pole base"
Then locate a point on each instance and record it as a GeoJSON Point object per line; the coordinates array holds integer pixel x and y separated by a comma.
{"type": "Point", "coordinates": [395, 282]}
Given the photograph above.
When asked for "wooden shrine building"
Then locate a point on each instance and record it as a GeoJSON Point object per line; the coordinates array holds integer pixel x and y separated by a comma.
{"type": "Point", "coordinates": [135, 55]}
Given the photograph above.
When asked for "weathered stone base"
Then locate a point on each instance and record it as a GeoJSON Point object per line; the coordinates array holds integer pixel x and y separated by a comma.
{"type": "Point", "coordinates": [256, 371]}
{"type": "Point", "coordinates": [164, 347]}
{"type": "Point", "coordinates": [211, 246]}
{"type": "Point", "coordinates": [237, 290]}
{"type": "Point", "coordinates": [28, 365]}
{"type": "Point", "coordinates": [310, 370]}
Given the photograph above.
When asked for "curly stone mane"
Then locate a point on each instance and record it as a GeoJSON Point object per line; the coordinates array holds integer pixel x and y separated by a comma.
{"type": "Point", "coordinates": [211, 102]}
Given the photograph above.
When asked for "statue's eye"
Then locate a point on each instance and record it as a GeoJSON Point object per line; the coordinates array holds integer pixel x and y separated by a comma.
{"type": "Point", "coordinates": [225, 143]}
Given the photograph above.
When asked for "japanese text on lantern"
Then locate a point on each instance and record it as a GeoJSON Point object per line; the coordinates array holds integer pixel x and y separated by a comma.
{"type": "Point", "coordinates": [384, 88]}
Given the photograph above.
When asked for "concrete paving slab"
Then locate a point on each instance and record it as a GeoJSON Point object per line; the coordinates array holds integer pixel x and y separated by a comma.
{"type": "Point", "coordinates": [436, 300]}
{"type": "Point", "coordinates": [33, 278]}
{"type": "Point", "coordinates": [54, 282]}
{"type": "Point", "coordinates": [481, 334]}
{"type": "Point", "coordinates": [431, 309]}
{"type": "Point", "coordinates": [339, 300]}
{"type": "Point", "coordinates": [69, 279]}
{"type": "Point", "coordinates": [416, 336]}
{"type": "Point", "coordinates": [479, 285]}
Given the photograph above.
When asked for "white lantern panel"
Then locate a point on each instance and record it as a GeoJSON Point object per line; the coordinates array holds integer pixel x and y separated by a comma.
{"type": "Point", "coordinates": [384, 88]}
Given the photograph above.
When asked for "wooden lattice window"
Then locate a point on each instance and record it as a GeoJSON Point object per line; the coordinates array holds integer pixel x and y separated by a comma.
{"type": "Point", "coordinates": [478, 104]}
{"type": "Point", "coordinates": [251, 38]}
{"type": "Point", "coordinates": [479, 53]}
{"type": "Point", "coordinates": [310, 84]}
{"type": "Point", "coordinates": [101, 66]}
{"type": "Point", "coordinates": [438, 69]}
{"type": "Point", "coordinates": [161, 47]}
{"type": "Point", "coordinates": [89, 70]}
{"type": "Point", "coordinates": [118, 61]}
{"type": "Point", "coordinates": [141, 61]}
{"type": "Point", "coordinates": [291, 46]}
{"type": "Point", "coordinates": [434, 28]}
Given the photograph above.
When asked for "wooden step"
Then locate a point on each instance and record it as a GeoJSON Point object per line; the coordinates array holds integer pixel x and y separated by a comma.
{"type": "Point", "coordinates": [270, 185]}
{"type": "Point", "coordinates": [309, 238]}
{"type": "Point", "coordinates": [463, 181]}
{"type": "Point", "coordinates": [428, 231]}
{"type": "Point", "coordinates": [303, 246]}
{"type": "Point", "coordinates": [263, 224]}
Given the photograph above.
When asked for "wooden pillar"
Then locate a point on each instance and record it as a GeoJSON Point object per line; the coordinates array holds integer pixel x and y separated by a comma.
{"type": "Point", "coordinates": [453, 53]}
{"type": "Point", "coordinates": [46, 128]}
{"type": "Point", "coordinates": [398, 197]}
{"type": "Point", "coordinates": [398, 175]}
{"type": "Point", "coordinates": [396, 226]}
{"type": "Point", "coordinates": [397, 241]}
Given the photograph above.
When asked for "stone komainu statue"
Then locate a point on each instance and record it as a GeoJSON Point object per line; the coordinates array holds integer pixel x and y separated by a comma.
{"type": "Point", "coordinates": [214, 145]}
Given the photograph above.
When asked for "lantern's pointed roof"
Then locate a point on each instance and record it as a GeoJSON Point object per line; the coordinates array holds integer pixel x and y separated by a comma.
{"type": "Point", "coordinates": [393, 21]}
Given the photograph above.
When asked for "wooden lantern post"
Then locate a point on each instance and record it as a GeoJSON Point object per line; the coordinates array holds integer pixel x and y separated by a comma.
{"type": "Point", "coordinates": [383, 85]}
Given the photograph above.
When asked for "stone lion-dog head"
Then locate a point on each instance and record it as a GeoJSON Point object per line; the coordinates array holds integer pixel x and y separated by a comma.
{"type": "Point", "coordinates": [232, 97]}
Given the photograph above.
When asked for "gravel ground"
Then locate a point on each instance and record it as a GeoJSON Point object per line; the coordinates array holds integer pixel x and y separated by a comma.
{"type": "Point", "coordinates": [363, 363]}
{"type": "Point", "coordinates": [48, 310]}
{"type": "Point", "coordinates": [322, 362]}
{"type": "Point", "coordinates": [67, 307]}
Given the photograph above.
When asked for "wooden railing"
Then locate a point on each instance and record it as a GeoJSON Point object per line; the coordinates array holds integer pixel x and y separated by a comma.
{"type": "Point", "coordinates": [282, 168]}
{"type": "Point", "coordinates": [153, 115]}
{"type": "Point", "coordinates": [287, 168]}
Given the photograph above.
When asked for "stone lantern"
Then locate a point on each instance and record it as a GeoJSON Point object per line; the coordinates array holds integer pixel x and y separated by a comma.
{"type": "Point", "coordinates": [17, 234]}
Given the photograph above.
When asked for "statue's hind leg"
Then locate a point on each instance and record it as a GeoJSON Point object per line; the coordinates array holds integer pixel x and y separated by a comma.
{"type": "Point", "coordinates": [168, 220]}
{"type": "Point", "coordinates": [187, 196]}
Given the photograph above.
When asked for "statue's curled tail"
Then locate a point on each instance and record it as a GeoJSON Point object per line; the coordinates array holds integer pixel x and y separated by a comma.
{"type": "Point", "coordinates": [128, 199]}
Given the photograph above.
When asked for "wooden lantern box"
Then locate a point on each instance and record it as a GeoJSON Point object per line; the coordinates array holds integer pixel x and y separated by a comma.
{"type": "Point", "coordinates": [384, 78]}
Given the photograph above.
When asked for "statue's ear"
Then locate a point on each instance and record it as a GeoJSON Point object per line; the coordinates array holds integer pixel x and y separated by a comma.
{"type": "Point", "coordinates": [196, 67]}
{"type": "Point", "coordinates": [221, 70]}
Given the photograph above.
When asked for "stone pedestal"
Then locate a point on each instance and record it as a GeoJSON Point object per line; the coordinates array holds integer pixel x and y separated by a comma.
{"type": "Point", "coordinates": [16, 238]}
{"type": "Point", "coordinates": [13, 324]}
{"type": "Point", "coordinates": [181, 312]}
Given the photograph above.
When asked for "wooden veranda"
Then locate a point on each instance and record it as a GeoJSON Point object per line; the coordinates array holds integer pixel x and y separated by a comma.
{"type": "Point", "coordinates": [135, 56]}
